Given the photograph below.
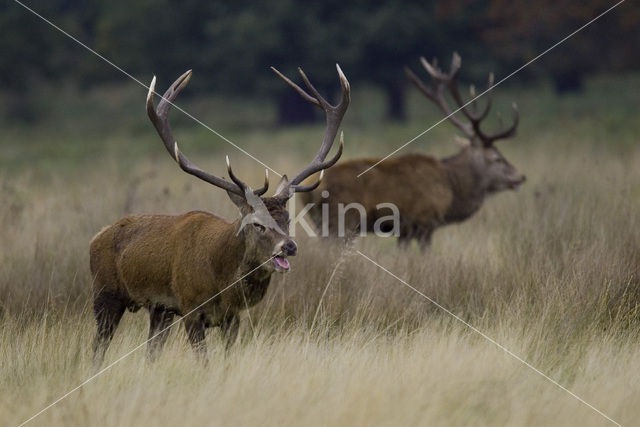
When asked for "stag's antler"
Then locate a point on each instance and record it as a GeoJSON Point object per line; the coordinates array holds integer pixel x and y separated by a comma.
{"type": "Point", "coordinates": [440, 81]}
{"type": "Point", "coordinates": [334, 114]}
{"type": "Point", "coordinates": [160, 118]}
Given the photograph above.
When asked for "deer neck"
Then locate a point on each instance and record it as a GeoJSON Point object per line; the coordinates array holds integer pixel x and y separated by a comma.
{"type": "Point", "coordinates": [465, 178]}
{"type": "Point", "coordinates": [252, 264]}
{"type": "Point", "coordinates": [226, 248]}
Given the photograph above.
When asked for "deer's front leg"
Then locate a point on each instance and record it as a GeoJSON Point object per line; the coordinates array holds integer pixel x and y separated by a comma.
{"type": "Point", "coordinates": [230, 327]}
{"type": "Point", "coordinates": [424, 239]}
{"type": "Point", "coordinates": [195, 327]}
{"type": "Point", "coordinates": [159, 321]}
{"type": "Point", "coordinates": [407, 233]}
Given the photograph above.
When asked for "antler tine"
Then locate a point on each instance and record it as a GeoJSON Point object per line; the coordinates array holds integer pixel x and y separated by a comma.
{"type": "Point", "coordinates": [258, 192]}
{"type": "Point", "coordinates": [420, 84]}
{"type": "Point", "coordinates": [434, 71]}
{"type": "Point", "coordinates": [489, 96]}
{"type": "Point", "coordinates": [334, 115]}
{"type": "Point", "coordinates": [472, 94]}
{"type": "Point", "coordinates": [316, 95]}
{"type": "Point", "coordinates": [321, 167]}
{"type": "Point", "coordinates": [305, 188]}
{"type": "Point", "coordinates": [474, 118]}
{"type": "Point", "coordinates": [456, 63]}
{"type": "Point", "coordinates": [233, 177]}
{"type": "Point", "coordinates": [477, 118]}
{"type": "Point", "coordinates": [297, 88]}
{"type": "Point", "coordinates": [265, 186]}
{"type": "Point", "coordinates": [159, 116]}
{"type": "Point", "coordinates": [506, 133]}
{"type": "Point", "coordinates": [345, 92]}
{"type": "Point", "coordinates": [435, 94]}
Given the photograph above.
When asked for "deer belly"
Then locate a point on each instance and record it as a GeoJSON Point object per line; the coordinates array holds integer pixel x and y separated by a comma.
{"type": "Point", "coordinates": [146, 280]}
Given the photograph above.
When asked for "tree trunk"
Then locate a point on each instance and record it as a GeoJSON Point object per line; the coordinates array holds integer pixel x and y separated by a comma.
{"type": "Point", "coordinates": [292, 109]}
{"type": "Point", "coordinates": [396, 100]}
{"type": "Point", "coordinates": [567, 81]}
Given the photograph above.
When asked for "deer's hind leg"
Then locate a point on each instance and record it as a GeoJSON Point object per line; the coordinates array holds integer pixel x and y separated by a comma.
{"type": "Point", "coordinates": [195, 326]}
{"type": "Point", "coordinates": [406, 235]}
{"type": "Point", "coordinates": [108, 309]}
{"type": "Point", "coordinates": [424, 239]}
{"type": "Point", "coordinates": [159, 321]}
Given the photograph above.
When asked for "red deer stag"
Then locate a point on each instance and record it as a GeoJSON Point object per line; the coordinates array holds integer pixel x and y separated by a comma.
{"type": "Point", "coordinates": [427, 192]}
{"type": "Point", "coordinates": [175, 265]}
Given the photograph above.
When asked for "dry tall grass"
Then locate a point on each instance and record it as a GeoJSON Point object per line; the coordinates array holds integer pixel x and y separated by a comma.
{"type": "Point", "coordinates": [551, 272]}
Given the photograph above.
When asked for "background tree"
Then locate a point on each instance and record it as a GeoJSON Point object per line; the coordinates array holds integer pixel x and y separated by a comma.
{"type": "Point", "coordinates": [234, 43]}
{"type": "Point", "coordinates": [514, 31]}
{"type": "Point", "coordinates": [391, 35]}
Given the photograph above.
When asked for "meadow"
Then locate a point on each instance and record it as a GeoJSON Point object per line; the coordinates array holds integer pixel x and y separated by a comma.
{"type": "Point", "coordinates": [551, 272]}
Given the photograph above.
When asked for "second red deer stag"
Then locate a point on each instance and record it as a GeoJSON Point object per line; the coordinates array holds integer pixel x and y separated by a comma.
{"type": "Point", "coordinates": [184, 265]}
{"type": "Point", "coordinates": [427, 192]}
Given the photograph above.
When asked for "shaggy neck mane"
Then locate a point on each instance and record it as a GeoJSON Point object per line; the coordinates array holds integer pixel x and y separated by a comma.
{"type": "Point", "coordinates": [466, 184]}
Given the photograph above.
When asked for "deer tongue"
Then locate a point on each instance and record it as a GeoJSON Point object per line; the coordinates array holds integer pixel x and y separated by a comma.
{"type": "Point", "coordinates": [281, 262]}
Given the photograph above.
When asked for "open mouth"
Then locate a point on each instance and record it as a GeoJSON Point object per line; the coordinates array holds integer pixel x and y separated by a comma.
{"type": "Point", "coordinates": [515, 185]}
{"type": "Point", "coordinates": [281, 263]}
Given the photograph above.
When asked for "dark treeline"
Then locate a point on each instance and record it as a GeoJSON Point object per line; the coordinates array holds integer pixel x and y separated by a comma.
{"type": "Point", "coordinates": [231, 44]}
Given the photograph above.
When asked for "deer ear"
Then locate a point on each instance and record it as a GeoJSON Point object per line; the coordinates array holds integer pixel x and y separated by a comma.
{"type": "Point", "coordinates": [462, 142]}
{"type": "Point", "coordinates": [239, 201]}
{"type": "Point", "coordinates": [283, 189]}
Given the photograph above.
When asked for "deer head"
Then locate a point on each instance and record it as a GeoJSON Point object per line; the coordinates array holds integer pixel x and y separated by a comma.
{"type": "Point", "coordinates": [489, 165]}
{"type": "Point", "coordinates": [264, 227]}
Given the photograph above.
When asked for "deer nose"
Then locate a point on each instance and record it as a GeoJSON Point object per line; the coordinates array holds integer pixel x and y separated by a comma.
{"type": "Point", "coordinates": [290, 248]}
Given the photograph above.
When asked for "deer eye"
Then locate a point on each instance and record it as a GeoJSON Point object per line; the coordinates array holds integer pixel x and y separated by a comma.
{"type": "Point", "coordinates": [259, 227]}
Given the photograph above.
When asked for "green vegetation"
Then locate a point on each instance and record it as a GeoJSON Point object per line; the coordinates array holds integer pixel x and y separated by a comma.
{"type": "Point", "coordinates": [232, 44]}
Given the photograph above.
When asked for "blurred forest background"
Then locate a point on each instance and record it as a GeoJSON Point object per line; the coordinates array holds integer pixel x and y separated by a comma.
{"type": "Point", "coordinates": [230, 46]}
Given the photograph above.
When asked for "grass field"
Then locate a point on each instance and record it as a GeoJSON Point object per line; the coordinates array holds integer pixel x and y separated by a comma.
{"type": "Point", "coordinates": [551, 272]}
